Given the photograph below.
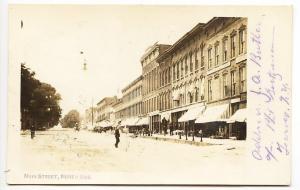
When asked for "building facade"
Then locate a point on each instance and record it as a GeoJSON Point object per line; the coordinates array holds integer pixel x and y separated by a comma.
{"type": "Point", "coordinates": [128, 109]}
{"type": "Point", "coordinates": [208, 71]}
{"type": "Point", "coordinates": [104, 110]}
{"type": "Point", "coordinates": [194, 86]}
{"type": "Point", "coordinates": [151, 84]}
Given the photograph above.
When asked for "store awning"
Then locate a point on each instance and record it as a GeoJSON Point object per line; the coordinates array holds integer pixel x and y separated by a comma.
{"type": "Point", "coordinates": [143, 121]}
{"type": "Point", "coordinates": [129, 121]}
{"type": "Point", "coordinates": [104, 124]}
{"type": "Point", "coordinates": [192, 114]}
{"type": "Point", "coordinates": [213, 114]}
{"type": "Point", "coordinates": [153, 113]}
{"type": "Point", "coordinates": [179, 109]}
{"type": "Point", "coordinates": [239, 116]}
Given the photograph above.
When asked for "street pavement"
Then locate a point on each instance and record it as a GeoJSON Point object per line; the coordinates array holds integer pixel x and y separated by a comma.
{"type": "Point", "coordinates": [68, 150]}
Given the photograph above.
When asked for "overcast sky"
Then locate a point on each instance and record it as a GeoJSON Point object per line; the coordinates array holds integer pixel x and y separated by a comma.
{"type": "Point", "coordinates": [113, 38]}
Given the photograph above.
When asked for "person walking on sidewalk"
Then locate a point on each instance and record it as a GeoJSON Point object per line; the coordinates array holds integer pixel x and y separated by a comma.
{"type": "Point", "coordinates": [117, 136]}
{"type": "Point", "coordinates": [32, 131]}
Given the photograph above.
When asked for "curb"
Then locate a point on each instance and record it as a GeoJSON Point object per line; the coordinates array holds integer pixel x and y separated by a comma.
{"type": "Point", "coordinates": [179, 141]}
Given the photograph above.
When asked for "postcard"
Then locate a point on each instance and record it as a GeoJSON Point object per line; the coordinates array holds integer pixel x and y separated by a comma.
{"type": "Point", "coordinates": [149, 94]}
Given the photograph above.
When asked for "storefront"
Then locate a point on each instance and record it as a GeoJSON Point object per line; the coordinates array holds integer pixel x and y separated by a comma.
{"type": "Point", "coordinates": [155, 122]}
{"type": "Point", "coordinates": [143, 125]}
{"type": "Point", "coordinates": [238, 124]}
{"type": "Point", "coordinates": [175, 115]}
{"type": "Point", "coordinates": [189, 117]}
{"type": "Point", "coordinates": [129, 124]}
{"type": "Point", "coordinates": [213, 121]}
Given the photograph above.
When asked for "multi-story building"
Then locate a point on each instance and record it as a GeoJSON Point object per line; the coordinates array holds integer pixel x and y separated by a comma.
{"type": "Point", "coordinates": [208, 78]}
{"type": "Point", "coordinates": [128, 109]}
{"type": "Point", "coordinates": [104, 110]}
{"type": "Point", "coordinates": [225, 46]}
{"type": "Point", "coordinates": [196, 84]}
{"type": "Point", "coordinates": [151, 84]}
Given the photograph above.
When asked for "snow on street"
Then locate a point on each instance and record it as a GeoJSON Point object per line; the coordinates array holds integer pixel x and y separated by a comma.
{"type": "Point", "coordinates": [67, 150]}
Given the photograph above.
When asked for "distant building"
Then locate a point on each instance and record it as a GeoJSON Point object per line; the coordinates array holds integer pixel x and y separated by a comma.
{"type": "Point", "coordinates": [104, 109]}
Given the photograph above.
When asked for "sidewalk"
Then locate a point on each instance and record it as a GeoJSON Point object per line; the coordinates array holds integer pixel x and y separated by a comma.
{"type": "Point", "coordinates": [197, 140]}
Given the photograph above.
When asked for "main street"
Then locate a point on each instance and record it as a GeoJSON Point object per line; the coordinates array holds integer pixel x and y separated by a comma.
{"type": "Point", "coordinates": [68, 150]}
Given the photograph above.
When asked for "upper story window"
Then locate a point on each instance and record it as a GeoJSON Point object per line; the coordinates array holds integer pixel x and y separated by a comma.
{"type": "Point", "coordinates": [226, 89]}
{"type": "Point", "coordinates": [202, 88]}
{"type": "Point", "coordinates": [174, 75]}
{"type": "Point", "coordinates": [169, 74]}
{"type": "Point", "coordinates": [162, 79]}
{"type": "Point", "coordinates": [166, 76]}
{"type": "Point", "coordinates": [243, 86]}
{"type": "Point", "coordinates": [233, 83]}
{"type": "Point", "coordinates": [209, 58]}
{"type": "Point", "coordinates": [209, 90]}
{"type": "Point", "coordinates": [225, 49]}
{"type": "Point", "coordinates": [233, 45]}
{"type": "Point", "coordinates": [196, 60]}
{"type": "Point", "coordinates": [191, 62]}
{"type": "Point", "coordinates": [242, 41]}
{"type": "Point", "coordinates": [202, 56]}
{"type": "Point", "coordinates": [182, 69]}
{"type": "Point", "coordinates": [177, 65]}
{"type": "Point", "coordinates": [217, 54]}
{"type": "Point", "coordinates": [196, 94]}
{"type": "Point", "coordinates": [186, 65]}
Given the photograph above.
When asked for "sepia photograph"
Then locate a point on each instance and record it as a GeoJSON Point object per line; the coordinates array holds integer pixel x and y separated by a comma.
{"type": "Point", "coordinates": [130, 94]}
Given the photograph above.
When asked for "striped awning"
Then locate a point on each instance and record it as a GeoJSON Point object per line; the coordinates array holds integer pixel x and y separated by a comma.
{"type": "Point", "coordinates": [214, 114]}
{"type": "Point", "coordinates": [239, 116]}
{"type": "Point", "coordinates": [192, 114]}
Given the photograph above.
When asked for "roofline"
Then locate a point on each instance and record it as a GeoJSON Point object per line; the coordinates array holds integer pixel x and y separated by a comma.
{"type": "Point", "coordinates": [193, 31]}
{"type": "Point", "coordinates": [132, 83]}
{"type": "Point", "coordinates": [151, 48]}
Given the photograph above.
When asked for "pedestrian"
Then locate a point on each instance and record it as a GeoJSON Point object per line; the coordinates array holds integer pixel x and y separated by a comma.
{"type": "Point", "coordinates": [201, 134]}
{"type": "Point", "coordinates": [117, 136]}
{"type": "Point", "coordinates": [32, 131]}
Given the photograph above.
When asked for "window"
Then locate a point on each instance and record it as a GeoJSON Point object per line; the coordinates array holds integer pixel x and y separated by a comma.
{"type": "Point", "coordinates": [209, 90]}
{"type": "Point", "coordinates": [190, 97]}
{"type": "Point", "coordinates": [202, 57]}
{"type": "Point", "coordinates": [174, 75]}
{"type": "Point", "coordinates": [242, 41]}
{"type": "Point", "coordinates": [181, 64]}
{"type": "Point", "coordinates": [209, 59]}
{"type": "Point", "coordinates": [233, 83]}
{"type": "Point", "coordinates": [225, 49]}
{"type": "Point", "coordinates": [166, 76]}
{"type": "Point", "coordinates": [196, 60]}
{"type": "Point", "coordinates": [169, 74]}
{"type": "Point", "coordinates": [243, 86]}
{"type": "Point", "coordinates": [233, 44]}
{"type": "Point", "coordinates": [196, 94]}
{"type": "Point", "coordinates": [177, 70]}
{"type": "Point", "coordinates": [186, 65]}
{"type": "Point", "coordinates": [162, 79]}
{"type": "Point", "coordinates": [191, 63]}
{"type": "Point", "coordinates": [202, 88]}
{"type": "Point", "coordinates": [216, 54]}
{"type": "Point", "coordinates": [226, 91]}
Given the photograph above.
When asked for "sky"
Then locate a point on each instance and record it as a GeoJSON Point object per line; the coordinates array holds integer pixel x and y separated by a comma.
{"type": "Point", "coordinates": [112, 39]}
